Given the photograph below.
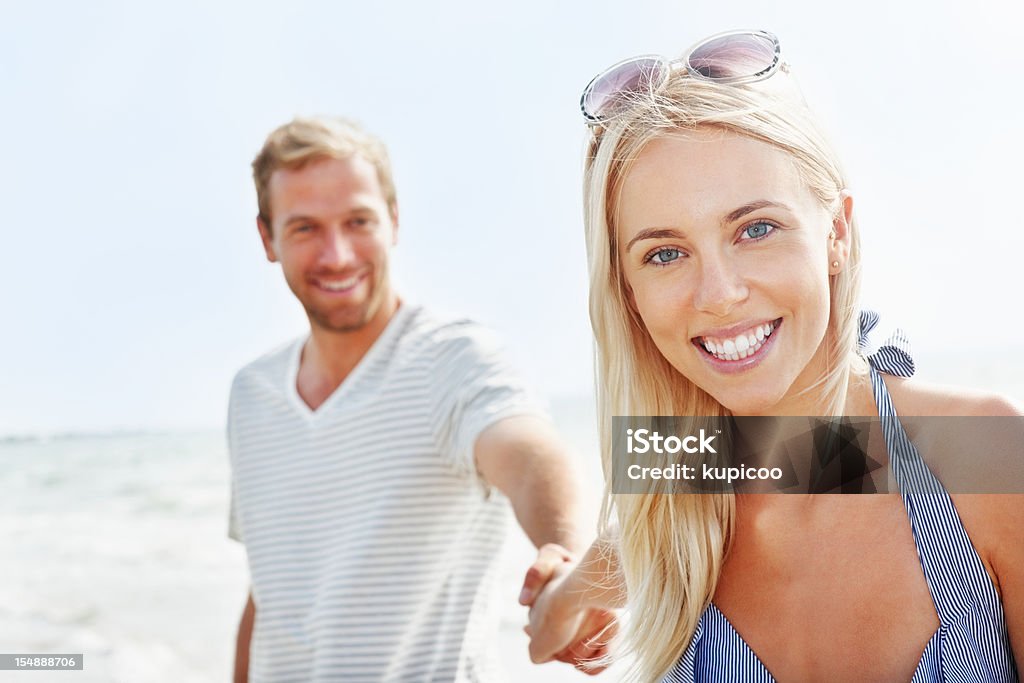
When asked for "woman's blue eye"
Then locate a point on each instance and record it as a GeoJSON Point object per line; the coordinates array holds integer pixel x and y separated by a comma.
{"type": "Point", "coordinates": [756, 231]}
{"type": "Point", "coordinates": [664, 256]}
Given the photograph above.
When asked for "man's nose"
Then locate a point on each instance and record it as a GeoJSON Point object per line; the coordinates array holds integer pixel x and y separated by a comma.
{"type": "Point", "coordinates": [721, 286]}
{"type": "Point", "coordinates": [337, 250]}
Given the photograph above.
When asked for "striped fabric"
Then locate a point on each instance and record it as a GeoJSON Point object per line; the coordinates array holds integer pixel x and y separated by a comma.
{"type": "Point", "coordinates": [971, 644]}
{"type": "Point", "coordinates": [373, 546]}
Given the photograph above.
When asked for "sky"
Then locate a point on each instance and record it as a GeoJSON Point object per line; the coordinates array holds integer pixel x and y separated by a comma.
{"type": "Point", "coordinates": [134, 285]}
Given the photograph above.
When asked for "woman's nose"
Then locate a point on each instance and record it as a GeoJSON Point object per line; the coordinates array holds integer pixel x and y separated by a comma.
{"type": "Point", "coordinates": [721, 286]}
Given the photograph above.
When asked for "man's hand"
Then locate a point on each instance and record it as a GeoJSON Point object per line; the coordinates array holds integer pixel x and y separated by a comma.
{"type": "Point", "coordinates": [561, 626]}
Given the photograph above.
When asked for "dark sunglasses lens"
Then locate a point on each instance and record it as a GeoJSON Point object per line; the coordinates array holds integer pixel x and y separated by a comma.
{"type": "Point", "coordinates": [612, 91]}
{"type": "Point", "coordinates": [736, 56]}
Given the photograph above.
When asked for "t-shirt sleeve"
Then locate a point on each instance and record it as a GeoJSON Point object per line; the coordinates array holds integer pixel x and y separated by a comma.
{"type": "Point", "coordinates": [476, 386]}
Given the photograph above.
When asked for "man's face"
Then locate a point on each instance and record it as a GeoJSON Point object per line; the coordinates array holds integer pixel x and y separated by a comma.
{"type": "Point", "coordinates": [331, 230]}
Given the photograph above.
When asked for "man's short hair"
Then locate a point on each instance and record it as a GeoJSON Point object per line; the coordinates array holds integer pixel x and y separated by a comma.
{"type": "Point", "coordinates": [307, 139]}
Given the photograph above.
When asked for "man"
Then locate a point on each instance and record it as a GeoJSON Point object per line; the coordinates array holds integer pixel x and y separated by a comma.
{"type": "Point", "coordinates": [375, 461]}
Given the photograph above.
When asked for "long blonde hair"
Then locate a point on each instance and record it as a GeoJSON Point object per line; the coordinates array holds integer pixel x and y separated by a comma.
{"type": "Point", "coordinates": [672, 547]}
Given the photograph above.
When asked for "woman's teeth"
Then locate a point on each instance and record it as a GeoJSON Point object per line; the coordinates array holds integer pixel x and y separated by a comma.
{"type": "Point", "coordinates": [740, 346]}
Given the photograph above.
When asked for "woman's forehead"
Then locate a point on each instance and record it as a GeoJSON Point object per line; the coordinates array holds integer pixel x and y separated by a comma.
{"type": "Point", "coordinates": [704, 174]}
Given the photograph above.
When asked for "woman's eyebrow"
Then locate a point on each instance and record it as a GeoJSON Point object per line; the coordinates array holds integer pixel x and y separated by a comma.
{"type": "Point", "coordinates": [750, 207]}
{"type": "Point", "coordinates": [731, 217]}
{"type": "Point", "coordinates": [654, 234]}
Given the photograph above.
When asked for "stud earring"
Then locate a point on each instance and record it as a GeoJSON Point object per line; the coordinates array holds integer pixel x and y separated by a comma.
{"type": "Point", "coordinates": [835, 264]}
{"type": "Point", "coordinates": [832, 234]}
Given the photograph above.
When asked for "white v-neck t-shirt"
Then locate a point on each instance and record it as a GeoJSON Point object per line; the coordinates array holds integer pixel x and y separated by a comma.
{"type": "Point", "coordinates": [373, 544]}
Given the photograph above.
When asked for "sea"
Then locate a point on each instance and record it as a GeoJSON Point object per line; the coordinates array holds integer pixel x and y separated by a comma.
{"type": "Point", "coordinates": [114, 546]}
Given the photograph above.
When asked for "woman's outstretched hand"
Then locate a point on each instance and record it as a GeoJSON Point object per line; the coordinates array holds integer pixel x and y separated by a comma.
{"type": "Point", "coordinates": [562, 626]}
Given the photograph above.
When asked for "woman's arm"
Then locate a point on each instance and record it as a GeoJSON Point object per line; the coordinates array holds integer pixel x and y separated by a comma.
{"type": "Point", "coordinates": [592, 582]}
{"type": "Point", "coordinates": [1006, 515]}
{"type": "Point", "coordinates": [995, 523]}
{"type": "Point", "coordinates": [571, 617]}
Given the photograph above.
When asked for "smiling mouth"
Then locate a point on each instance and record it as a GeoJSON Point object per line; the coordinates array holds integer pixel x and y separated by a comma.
{"type": "Point", "coordinates": [339, 285]}
{"type": "Point", "coordinates": [741, 346]}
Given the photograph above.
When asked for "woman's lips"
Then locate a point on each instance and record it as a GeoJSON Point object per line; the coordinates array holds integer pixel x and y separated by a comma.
{"type": "Point", "coordinates": [741, 352]}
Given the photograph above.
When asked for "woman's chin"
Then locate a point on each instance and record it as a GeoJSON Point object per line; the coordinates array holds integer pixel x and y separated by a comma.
{"type": "Point", "coordinates": [749, 403]}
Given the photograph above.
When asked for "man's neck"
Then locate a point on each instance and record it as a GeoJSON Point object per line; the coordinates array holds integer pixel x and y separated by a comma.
{"type": "Point", "coordinates": [329, 357]}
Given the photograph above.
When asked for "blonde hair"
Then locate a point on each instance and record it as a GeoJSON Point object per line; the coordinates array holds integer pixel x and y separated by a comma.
{"type": "Point", "coordinates": [672, 547]}
{"type": "Point", "coordinates": [303, 140]}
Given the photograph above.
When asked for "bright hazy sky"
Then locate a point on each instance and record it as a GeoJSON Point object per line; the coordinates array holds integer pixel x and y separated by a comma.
{"type": "Point", "coordinates": [134, 285]}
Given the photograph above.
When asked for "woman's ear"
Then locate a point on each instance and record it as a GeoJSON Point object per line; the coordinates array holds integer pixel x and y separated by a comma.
{"type": "Point", "coordinates": [840, 236]}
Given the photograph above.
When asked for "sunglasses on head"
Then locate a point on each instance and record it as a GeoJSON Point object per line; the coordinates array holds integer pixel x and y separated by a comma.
{"type": "Point", "coordinates": [732, 57]}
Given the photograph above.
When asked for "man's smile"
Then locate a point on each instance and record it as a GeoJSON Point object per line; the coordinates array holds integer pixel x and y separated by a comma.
{"type": "Point", "coordinates": [336, 285]}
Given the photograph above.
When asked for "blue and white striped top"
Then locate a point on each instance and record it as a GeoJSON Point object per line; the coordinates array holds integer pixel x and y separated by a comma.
{"type": "Point", "coordinates": [971, 644]}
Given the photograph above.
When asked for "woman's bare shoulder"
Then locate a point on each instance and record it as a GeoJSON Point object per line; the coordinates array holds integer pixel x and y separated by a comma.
{"type": "Point", "coordinates": [916, 397]}
{"type": "Point", "coordinates": [971, 440]}
{"type": "Point", "coordinates": [973, 459]}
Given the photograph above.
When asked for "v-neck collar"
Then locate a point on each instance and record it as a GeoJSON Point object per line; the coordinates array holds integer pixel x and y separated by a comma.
{"type": "Point", "coordinates": [885, 410]}
{"type": "Point", "coordinates": [715, 613]}
{"type": "Point", "coordinates": [396, 322]}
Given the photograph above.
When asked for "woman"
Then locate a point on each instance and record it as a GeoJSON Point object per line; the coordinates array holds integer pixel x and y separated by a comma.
{"type": "Point", "coordinates": [724, 261]}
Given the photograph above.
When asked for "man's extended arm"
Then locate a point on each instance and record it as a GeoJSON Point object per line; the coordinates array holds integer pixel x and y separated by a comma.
{"type": "Point", "coordinates": [244, 637]}
{"type": "Point", "coordinates": [524, 458]}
